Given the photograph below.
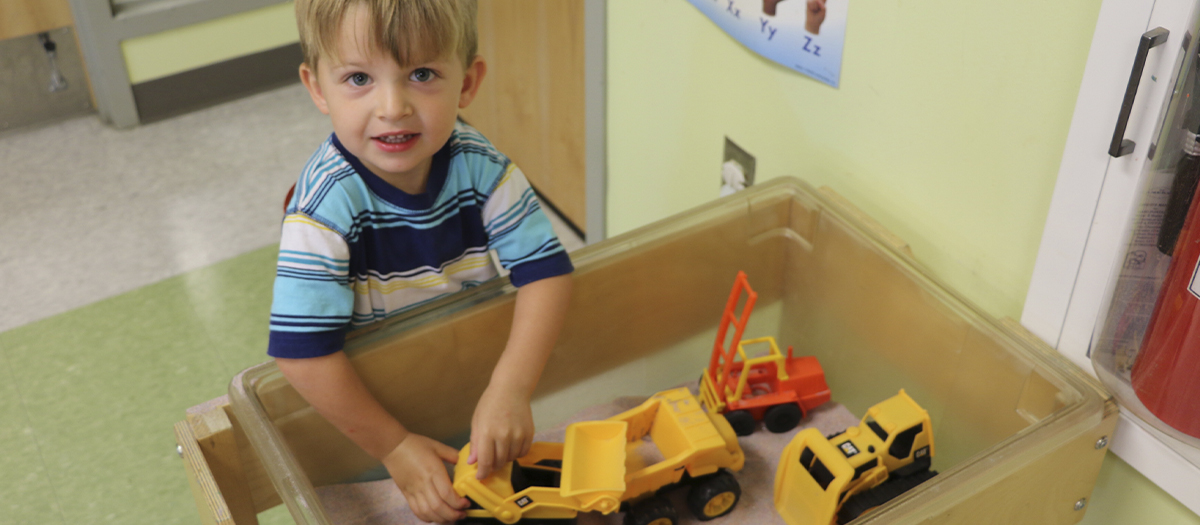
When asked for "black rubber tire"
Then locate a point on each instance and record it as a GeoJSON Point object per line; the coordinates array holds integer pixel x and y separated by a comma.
{"type": "Point", "coordinates": [705, 489]}
{"type": "Point", "coordinates": [885, 492]}
{"type": "Point", "coordinates": [742, 422]}
{"type": "Point", "coordinates": [524, 521]}
{"type": "Point", "coordinates": [782, 418]}
{"type": "Point", "coordinates": [653, 508]}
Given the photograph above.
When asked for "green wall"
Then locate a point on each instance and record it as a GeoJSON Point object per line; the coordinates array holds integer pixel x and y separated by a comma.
{"type": "Point", "coordinates": [190, 47]}
{"type": "Point", "coordinates": [948, 128]}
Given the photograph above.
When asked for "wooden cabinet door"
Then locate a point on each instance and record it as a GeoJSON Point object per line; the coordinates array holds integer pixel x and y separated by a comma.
{"type": "Point", "coordinates": [26, 17]}
{"type": "Point", "coordinates": [531, 103]}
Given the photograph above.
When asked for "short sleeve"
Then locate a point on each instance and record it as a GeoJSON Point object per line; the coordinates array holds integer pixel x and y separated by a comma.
{"type": "Point", "coordinates": [313, 300]}
{"type": "Point", "coordinates": [520, 232]}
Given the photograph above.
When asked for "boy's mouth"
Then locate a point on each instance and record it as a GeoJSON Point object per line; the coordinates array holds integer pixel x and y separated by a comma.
{"type": "Point", "coordinates": [398, 138]}
{"type": "Point", "coordinates": [396, 142]}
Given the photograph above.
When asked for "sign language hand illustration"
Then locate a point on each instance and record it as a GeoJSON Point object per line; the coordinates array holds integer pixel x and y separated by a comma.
{"type": "Point", "coordinates": [815, 16]}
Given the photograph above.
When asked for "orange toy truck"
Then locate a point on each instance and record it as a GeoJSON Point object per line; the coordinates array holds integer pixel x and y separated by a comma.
{"type": "Point", "coordinates": [775, 389]}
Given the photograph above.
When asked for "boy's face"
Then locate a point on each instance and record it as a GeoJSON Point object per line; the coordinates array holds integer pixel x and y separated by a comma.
{"type": "Point", "coordinates": [392, 118]}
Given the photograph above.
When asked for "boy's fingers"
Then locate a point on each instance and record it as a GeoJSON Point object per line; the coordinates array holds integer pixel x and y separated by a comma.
{"type": "Point", "coordinates": [446, 452]}
{"type": "Point", "coordinates": [517, 446]}
{"type": "Point", "coordinates": [500, 457]}
{"type": "Point", "coordinates": [417, 505]}
{"type": "Point", "coordinates": [446, 491]}
{"type": "Point", "coordinates": [486, 454]}
{"type": "Point", "coordinates": [514, 449]}
{"type": "Point", "coordinates": [499, 451]}
{"type": "Point", "coordinates": [443, 513]}
{"type": "Point", "coordinates": [431, 508]}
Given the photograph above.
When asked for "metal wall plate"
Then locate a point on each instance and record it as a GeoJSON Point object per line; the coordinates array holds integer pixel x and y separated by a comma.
{"type": "Point", "coordinates": [741, 156]}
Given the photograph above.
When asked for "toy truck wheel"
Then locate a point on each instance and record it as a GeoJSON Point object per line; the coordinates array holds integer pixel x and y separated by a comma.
{"type": "Point", "coordinates": [524, 521]}
{"type": "Point", "coordinates": [655, 510]}
{"type": "Point", "coordinates": [741, 421]}
{"type": "Point", "coordinates": [782, 418]}
{"type": "Point", "coordinates": [547, 521]}
{"type": "Point", "coordinates": [714, 495]}
{"type": "Point", "coordinates": [866, 500]}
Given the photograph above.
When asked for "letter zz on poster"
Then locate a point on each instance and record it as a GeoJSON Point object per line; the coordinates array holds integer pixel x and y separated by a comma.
{"type": "Point", "coordinates": [804, 35]}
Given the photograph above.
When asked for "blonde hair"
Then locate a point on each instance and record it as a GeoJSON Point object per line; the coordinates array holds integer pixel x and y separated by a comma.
{"type": "Point", "coordinates": [412, 31]}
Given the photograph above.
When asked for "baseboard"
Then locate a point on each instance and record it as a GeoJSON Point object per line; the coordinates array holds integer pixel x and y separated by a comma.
{"type": "Point", "coordinates": [213, 84]}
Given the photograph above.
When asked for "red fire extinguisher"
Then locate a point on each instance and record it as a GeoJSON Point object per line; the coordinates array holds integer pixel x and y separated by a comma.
{"type": "Point", "coordinates": [1166, 372]}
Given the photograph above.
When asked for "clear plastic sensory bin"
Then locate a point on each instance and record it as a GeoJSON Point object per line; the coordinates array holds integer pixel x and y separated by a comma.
{"type": "Point", "coordinates": [1020, 432]}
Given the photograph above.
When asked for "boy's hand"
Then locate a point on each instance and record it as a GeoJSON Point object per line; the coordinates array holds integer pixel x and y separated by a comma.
{"type": "Point", "coordinates": [501, 430]}
{"type": "Point", "coordinates": [416, 467]}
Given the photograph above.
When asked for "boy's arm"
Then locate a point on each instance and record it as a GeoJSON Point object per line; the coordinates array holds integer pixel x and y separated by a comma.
{"type": "Point", "coordinates": [331, 385]}
{"type": "Point", "coordinates": [502, 427]}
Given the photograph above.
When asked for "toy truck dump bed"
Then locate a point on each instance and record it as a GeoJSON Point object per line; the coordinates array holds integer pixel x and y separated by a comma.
{"type": "Point", "coordinates": [594, 471]}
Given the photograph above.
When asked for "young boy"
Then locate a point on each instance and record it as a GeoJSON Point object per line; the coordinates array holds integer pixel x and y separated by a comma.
{"type": "Point", "coordinates": [400, 207]}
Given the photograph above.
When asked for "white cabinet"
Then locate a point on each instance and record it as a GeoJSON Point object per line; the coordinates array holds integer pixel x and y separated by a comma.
{"type": "Point", "coordinates": [1094, 198]}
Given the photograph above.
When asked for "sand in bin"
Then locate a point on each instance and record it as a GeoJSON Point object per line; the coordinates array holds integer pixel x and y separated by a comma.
{"type": "Point", "coordinates": [380, 502]}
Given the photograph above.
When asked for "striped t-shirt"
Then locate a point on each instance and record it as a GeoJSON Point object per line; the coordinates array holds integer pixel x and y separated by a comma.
{"type": "Point", "coordinates": [356, 249]}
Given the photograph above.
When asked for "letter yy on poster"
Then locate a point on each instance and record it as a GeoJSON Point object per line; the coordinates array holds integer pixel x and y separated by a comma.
{"type": "Point", "coordinates": [804, 35]}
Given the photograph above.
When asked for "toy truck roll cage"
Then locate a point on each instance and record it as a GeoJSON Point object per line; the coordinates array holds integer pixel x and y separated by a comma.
{"type": "Point", "coordinates": [776, 389]}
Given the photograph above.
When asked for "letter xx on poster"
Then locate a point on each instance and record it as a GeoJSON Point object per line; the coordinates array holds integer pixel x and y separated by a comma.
{"type": "Point", "coordinates": [804, 35]}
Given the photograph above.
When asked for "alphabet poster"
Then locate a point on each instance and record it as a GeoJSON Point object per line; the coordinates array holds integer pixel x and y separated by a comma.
{"type": "Point", "coordinates": [804, 35]}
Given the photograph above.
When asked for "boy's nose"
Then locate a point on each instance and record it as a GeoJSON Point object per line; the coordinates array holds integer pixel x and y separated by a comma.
{"type": "Point", "coordinates": [395, 105]}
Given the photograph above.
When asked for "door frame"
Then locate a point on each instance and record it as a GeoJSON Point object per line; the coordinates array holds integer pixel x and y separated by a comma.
{"type": "Point", "coordinates": [101, 27]}
{"type": "Point", "coordinates": [595, 56]}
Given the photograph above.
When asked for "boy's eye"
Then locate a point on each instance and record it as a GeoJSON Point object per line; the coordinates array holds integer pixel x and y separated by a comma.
{"type": "Point", "coordinates": [423, 74]}
{"type": "Point", "coordinates": [359, 79]}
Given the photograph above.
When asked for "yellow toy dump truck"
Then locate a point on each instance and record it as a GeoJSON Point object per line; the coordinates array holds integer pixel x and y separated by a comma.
{"type": "Point", "coordinates": [824, 480]}
{"type": "Point", "coordinates": [605, 466]}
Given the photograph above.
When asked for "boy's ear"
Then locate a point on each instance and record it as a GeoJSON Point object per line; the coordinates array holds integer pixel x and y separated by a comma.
{"type": "Point", "coordinates": [309, 78]}
{"type": "Point", "coordinates": [471, 80]}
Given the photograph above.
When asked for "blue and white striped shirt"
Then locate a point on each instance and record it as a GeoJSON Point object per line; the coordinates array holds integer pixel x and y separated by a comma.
{"type": "Point", "coordinates": [356, 249]}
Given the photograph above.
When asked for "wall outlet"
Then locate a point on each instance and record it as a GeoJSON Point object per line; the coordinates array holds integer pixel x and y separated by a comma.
{"type": "Point", "coordinates": [737, 154]}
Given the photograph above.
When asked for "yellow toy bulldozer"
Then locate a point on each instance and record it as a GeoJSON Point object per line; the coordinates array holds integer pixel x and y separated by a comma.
{"type": "Point", "coordinates": [600, 468]}
{"type": "Point", "coordinates": [830, 480]}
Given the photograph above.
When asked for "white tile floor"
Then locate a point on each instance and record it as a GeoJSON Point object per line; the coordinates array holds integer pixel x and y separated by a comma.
{"type": "Point", "coordinates": [88, 212]}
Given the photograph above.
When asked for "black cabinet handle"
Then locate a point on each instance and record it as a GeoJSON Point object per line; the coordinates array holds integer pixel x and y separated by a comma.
{"type": "Point", "coordinates": [1121, 145]}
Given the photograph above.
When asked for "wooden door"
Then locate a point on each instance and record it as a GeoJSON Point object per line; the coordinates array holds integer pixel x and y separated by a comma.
{"type": "Point", "coordinates": [531, 104]}
{"type": "Point", "coordinates": [26, 17]}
